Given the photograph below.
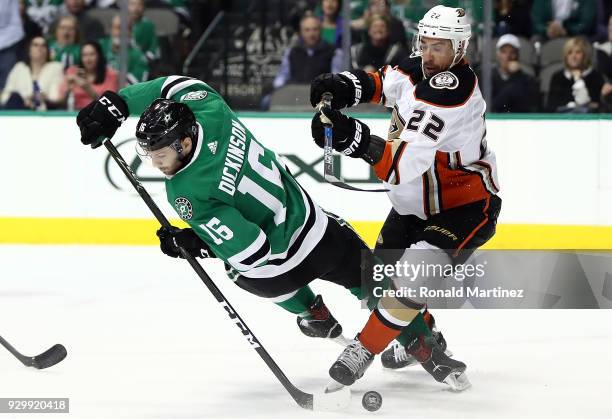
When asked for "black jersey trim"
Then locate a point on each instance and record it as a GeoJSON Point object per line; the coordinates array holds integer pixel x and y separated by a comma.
{"type": "Point", "coordinates": [258, 255]}
{"type": "Point", "coordinates": [166, 89]}
{"type": "Point", "coordinates": [297, 244]}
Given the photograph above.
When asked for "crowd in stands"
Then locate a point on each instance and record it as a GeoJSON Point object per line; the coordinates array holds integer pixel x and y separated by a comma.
{"type": "Point", "coordinates": [549, 55]}
{"type": "Point", "coordinates": [57, 54]}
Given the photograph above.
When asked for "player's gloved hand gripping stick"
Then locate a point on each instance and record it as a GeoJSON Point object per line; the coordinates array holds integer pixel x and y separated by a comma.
{"type": "Point", "coordinates": [324, 401]}
{"type": "Point", "coordinates": [328, 158]}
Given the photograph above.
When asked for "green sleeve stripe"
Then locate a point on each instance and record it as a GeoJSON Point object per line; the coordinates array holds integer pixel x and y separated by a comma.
{"type": "Point", "coordinates": [174, 84]}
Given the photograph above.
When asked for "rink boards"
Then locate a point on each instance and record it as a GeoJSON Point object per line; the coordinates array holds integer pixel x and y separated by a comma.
{"type": "Point", "coordinates": [555, 175]}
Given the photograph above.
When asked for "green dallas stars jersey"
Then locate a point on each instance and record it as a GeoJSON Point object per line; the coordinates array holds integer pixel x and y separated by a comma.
{"type": "Point", "coordinates": [236, 194]}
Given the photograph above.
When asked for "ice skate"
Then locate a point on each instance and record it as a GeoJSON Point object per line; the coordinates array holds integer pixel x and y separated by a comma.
{"type": "Point", "coordinates": [439, 365]}
{"type": "Point", "coordinates": [351, 364]}
{"type": "Point", "coordinates": [322, 324]}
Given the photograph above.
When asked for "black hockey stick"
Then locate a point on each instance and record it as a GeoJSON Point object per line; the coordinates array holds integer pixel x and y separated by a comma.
{"type": "Point", "coordinates": [47, 359]}
{"type": "Point", "coordinates": [325, 401]}
{"type": "Point", "coordinates": [328, 158]}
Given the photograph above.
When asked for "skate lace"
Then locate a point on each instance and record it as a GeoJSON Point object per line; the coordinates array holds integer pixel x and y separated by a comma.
{"type": "Point", "coordinates": [399, 353]}
{"type": "Point", "coordinates": [354, 356]}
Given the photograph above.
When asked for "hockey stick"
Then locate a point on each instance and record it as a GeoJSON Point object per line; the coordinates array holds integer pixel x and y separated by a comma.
{"type": "Point", "coordinates": [326, 401]}
{"type": "Point", "coordinates": [328, 158]}
{"type": "Point", "coordinates": [47, 359]}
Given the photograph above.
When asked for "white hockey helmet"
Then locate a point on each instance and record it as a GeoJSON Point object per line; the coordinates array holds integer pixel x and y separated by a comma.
{"type": "Point", "coordinates": [444, 23]}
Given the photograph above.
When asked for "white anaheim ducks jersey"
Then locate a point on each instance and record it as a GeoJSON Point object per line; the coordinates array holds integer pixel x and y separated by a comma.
{"type": "Point", "coordinates": [436, 156]}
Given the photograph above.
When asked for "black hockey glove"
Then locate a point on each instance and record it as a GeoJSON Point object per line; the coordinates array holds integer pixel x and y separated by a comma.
{"type": "Point", "coordinates": [339, 85]}
{"type": "Point", "coordinates": [101, 118]}
{"type": "Point", "coordinates": [170, 238]}
{"type": "Point", "coordinates": [350, 136]}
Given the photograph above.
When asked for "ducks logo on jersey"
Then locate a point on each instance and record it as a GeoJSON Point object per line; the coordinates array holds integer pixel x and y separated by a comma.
{"type": "Point", "coordinates": [444, 80]}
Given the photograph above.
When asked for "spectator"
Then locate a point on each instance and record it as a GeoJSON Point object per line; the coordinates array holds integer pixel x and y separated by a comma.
{"type": "Point", "coordinates": [377, 50]}
{"type": "Point", "coordinates": [88, 80]}
{"type": "Point", "coordinates": [397, 33]}
{"type": "Point", "coordinates": [11, 32]}
{"type": "Point", "coordinates": [513, 89]}
{"type": "Point", "coordinates": [89, 29]}
{"type": "Point", "coordinates": [310, 57]}
{"type": "Point", "coordinates": [513, 16]}
{"type": "Point", "coordinates": [331, 22]}
{"type": "Point", "coordinates": [33, 83]}
{"type": "Point", "coordinates": [43, 12]}
{"type": "Point", "coordinates": [143, 30]}
{"type": "Point", "coordinates": [65, 48]}
{"type": "Point", "coordinates": [577, 88]}
{"type": "Point", "coordinates": [604, 65]}
{"type": "Point", "coordinates": [30, 30]}
{"type": "Point", "coordinates": [137, 68]}
{"type": "Point", "coordinates": [558, 18]}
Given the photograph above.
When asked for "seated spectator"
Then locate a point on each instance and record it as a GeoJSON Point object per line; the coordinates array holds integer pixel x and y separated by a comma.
{"type": "Point", "coordinates": [64, 47]}
{"type": "Point", "coordinates": [577, 88]}
{"type": "Point", "coordinates": [138, 67]}
{"type": "Point", "coordinates": [89, 28]}
{"type": "Point", "coordinates": [11, 33]}
{"type": "Point", "coordinates": [88, 80]}
{"type": "Point", "coordinates": [513, 89]}
{"type": "Point", "coordinates": [558, 18]}
{"type": "Point", "coordinates": [34, 83]}
{"type": "Point", "coordinates": [310, 57]}
{"type": "Point", "coordinates": [513, 16]}
{"type": "Point", "coordinates": [331, 22]}
{"type": "Point", "coordinates": [143, 30]}
{"type": "Point", "coordinates": [603, 51]}
{"type": "Point", "coordinates": [397, 33]}
{"type": "Point", "coordinates": [43, 12]}
{"type": "Point", "coordinates": [377, 50]}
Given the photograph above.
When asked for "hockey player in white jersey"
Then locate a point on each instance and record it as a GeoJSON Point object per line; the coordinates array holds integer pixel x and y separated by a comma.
{"type": "Point", "coordinates": [441, 176]}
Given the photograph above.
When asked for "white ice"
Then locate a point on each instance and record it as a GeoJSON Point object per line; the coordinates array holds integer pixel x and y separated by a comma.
{"type": "Point", "coordinates": [146, 339]}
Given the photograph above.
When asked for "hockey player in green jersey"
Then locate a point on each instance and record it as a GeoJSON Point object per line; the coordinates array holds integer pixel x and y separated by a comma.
{"type": "Point", "coordinates": [244, 207]}
{"type": "Point", "coordinates": [241, 202]}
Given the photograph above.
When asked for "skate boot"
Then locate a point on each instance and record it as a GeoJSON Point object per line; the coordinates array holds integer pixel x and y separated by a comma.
{"type": "Point", "coordinates": [351, 364]}
{"type": "Point", "coordinates": [322, 324]}
{"type": "Point", "coordinates": [439, 365]}
{"type": "Point", "coordinates": [396, 357]}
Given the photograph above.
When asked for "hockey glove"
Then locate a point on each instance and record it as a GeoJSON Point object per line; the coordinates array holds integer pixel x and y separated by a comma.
{"type": "Point", "coordinates": [351, 137]}
{"type": "Point", "coordinates": [101, 118]}
{"type": "Point", "coordinates": [171, 238]}
{"type": "Point", "coordinates": [339, 85]}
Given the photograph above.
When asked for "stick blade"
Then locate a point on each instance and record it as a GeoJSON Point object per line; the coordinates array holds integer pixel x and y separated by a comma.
{"type": "Point", "coordinates": [333, 401]}
{"type": "Point", "coordinates": [50, 357]}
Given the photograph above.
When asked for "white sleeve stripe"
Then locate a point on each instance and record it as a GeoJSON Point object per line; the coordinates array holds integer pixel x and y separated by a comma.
{"type": "Point", "coordinates": [260, 242]}
{"type": "Point", "coordinates": [181, 86]}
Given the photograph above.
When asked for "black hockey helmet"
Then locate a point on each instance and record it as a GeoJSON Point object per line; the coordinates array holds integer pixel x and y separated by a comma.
{"type": "Point", "coordinates": [163, 123]}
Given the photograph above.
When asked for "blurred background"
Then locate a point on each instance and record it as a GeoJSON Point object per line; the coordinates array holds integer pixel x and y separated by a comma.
{"type": "Point", "coordinates": [552, 56]}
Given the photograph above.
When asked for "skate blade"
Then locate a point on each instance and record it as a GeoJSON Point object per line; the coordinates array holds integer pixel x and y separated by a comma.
{"type": "Point", "coordinates": [458, 381]}
{"type": "Point", "coordinates": [341, 340]}
{"type": "Point", "coordinates": [336, 397]}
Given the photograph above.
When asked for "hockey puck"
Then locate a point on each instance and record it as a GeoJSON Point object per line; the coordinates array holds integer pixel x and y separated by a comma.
{"type": "Point", "coordinates": [371, 401]}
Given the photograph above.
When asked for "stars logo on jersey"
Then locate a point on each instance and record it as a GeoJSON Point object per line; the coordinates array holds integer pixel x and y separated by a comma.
{"type": "Point", "coordinates": [184, 208]}
{"type": "Point", "coordinates": [199, 95]}
{"type": "Point", "coordinates": [212, 147]}
{"type": "Point", "coordinates": [444, 80]}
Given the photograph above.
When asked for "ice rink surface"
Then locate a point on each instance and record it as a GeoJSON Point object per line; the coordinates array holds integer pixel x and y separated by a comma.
{"type": "Point", "coordinates": [146, 339]}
